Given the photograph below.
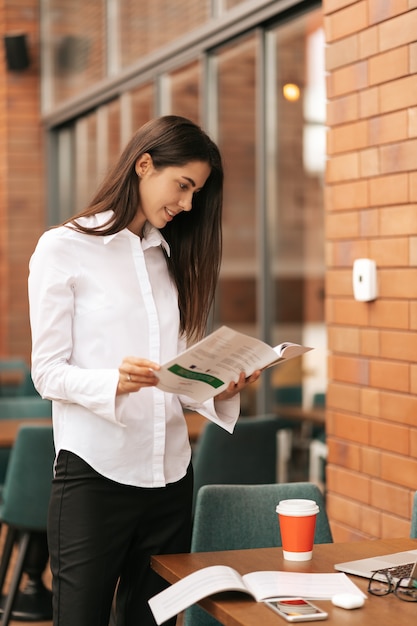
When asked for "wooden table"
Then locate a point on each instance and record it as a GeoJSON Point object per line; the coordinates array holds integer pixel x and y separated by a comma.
{"type": "Point", "coordinates": [10, 427]}
{"type": "Point", "coordinates": [317, 415]}
{"type": "Point", "coordinates": [234, 609]}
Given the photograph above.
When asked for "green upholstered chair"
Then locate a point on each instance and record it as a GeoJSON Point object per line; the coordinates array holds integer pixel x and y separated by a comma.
{"type": "Point", "coordinates": [18, 369]}
{"type": "Point", "coordinates": [17, 408]}
{"type": "Point", "coordinates": [413, 530]}
{"type": "Point", "coordinates": [248, 456]}
{"type": "Point", "coordinates": [237, 517]}
{"type": "Point", "coordinates": [25, 503]}
{"type": "Point", "coordinates": [25, 407]}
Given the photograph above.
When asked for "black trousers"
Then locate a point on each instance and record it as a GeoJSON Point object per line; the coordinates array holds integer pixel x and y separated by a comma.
{"type": "Point", "coordinates": [101, 535]}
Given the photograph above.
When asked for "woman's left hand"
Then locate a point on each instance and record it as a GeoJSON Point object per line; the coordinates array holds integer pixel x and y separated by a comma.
{"type": "Point", "coordinates": [235, 388]}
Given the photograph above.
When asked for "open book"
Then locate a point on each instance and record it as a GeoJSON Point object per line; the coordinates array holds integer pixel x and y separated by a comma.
{"type": "Point", "coordinates": [206, 369]}
{"type": "Point", "coordinates": [260, 585]}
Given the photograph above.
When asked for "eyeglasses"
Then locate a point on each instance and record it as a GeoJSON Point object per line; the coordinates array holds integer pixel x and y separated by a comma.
{"type": "Point", "coordinates": [382, 583]}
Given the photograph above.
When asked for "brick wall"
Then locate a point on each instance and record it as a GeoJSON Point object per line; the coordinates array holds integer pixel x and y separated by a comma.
{"type": "Point", "coordinates": [22, 209]}
{"type": "Point", "coordinates": [371, 211]}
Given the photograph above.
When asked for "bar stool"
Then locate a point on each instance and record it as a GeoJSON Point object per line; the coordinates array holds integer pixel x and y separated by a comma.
{"type": "Point", "coordinates": [25, 506]}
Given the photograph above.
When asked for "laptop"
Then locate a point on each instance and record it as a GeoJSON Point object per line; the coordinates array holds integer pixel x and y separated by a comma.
{"type": "Point", "coordinates": [399, 564]}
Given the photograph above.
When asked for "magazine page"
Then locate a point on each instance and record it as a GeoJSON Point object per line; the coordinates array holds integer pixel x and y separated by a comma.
{"type": "Point", "coordinates": [205, 370]}
{"type": "Point", "coordinates": [192, 588]}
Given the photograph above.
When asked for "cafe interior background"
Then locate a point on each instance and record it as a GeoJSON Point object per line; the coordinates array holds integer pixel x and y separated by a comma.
{"type": "Point", "coordinates": [313, 107]}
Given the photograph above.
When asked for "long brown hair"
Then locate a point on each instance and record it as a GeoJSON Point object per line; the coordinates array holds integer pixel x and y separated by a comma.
{"type": "Point", "coordinates": [195, 237]}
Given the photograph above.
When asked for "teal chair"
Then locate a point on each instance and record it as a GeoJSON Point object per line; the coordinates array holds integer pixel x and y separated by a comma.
{"type": "Point", "coordinates": [248, 456]}
{"type": "Point", "coordinates": [24, 407]}
{"type": "Point", "coordinates": [17, 408]}
{"type": "Point", "coordinates": [25, 504]}
{"type": "Point", "coordinates": [24, 385]}
{"type": "Point", "coordinates": [238, 517]}
{"type": "Point", "coordinates": [413, 530]}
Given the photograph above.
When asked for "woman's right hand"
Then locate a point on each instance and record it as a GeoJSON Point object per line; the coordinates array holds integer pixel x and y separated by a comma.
{"type": "Point", "coordinates": [135, 373]}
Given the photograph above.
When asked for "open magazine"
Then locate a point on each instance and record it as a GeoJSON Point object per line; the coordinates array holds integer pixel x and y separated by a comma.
{"type": "Point", "coordinates": [262, 586]}
{"type": "Point", "coordinates": [206, 369]}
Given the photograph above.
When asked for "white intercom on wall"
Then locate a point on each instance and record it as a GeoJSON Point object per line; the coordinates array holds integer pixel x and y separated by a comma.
{"type": "Point", "coordinates": [364, 280]}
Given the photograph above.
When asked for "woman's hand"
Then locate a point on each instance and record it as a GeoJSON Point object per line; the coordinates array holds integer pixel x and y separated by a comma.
{"type": "Point", "coordinates": [235, 388]}
{"type": "Point", "coordinates": [135, 373]}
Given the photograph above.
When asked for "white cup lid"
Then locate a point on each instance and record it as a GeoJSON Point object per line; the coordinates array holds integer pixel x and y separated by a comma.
{"type": "Point", "coordinates": [297, 507]}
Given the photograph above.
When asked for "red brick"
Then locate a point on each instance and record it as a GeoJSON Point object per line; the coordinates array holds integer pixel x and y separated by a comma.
{"type": "Point", "coordinates": [342, 196]}
{"type": "Point", "coordinates": [389, 375]}
{"type": "Point", "coordinates": [343, 454]}
{"type": "Point", "coordinates": [348, 79]}
{"type": "Point", "coordinates": [342, 52]}
{"type": "Point", "coordinates": [398, 283]}
{"type": "Point", "coordinates": [399, 407]}
{"type": "Point", "coordinates": [370, 402]}
{"type": "Point", "coordinates": [343, 109]}
{"type": "Point", "coordinates": [393, 526]}
{"type": "Point", "coordinates": [369, 102]}
{"type": "Point", "coordinates": [398, 30]}
{"type": "Point", "coordinates": [398, 94]}
{"type": "Point", "coordinates": [399, 470]}
{"type": "Point", "coordinates": [368, 42]}
{"type": "Point", "coordinates": [389, 313]}
{"type": "Point", "coordinates": [348, 311]}
{"type": "Point", "coordinates": [350, 369]}
{"type": "Point", "coordinates": [387, 66]}
{"type": "Point", "coordinates": [342, 168]}
{"type": "Point", "coordinates": [351, 428]}
{"type": "Point", "coordinates": [398, 345]}
{"type": "Point", "coordinates": [398, 157]}
{"type": "Point", "coordinates": [396, 496]}
{"type": "Point", "coordinates": [389, 252]}
{"type": "Point", "coordinates": [346, 21]}
{"type": "Point", "coordinates": [344, 339]}
{"type": "Point", "coordinates": [388, 128]}
{"type": "Point", "coordinates": [370, 461]}
{"type": "Point", "coordinates": [338, 283]}
{"type": "Point", "coordinates": [391, 437]}
{"type": "Point", "coordinates": [369, 163]}
{"type": "Point", "coordinates": [398, 220]}
{"type": "Point", "coordinates": [380, 11]}
{"type": "Point", "coordinates": [340, 396]}
{"type": "Point", "coordinates": [386, 190]}
{"type": "Point", "coordinates": [346, 482]}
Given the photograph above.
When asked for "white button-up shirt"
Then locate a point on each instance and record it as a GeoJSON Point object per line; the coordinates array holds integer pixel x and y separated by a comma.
{"type": "Point", "coordinates": [93, 301]}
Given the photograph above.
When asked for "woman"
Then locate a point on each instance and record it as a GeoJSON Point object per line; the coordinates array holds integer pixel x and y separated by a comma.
{"type": "Point", "coordinates": [115, 291]}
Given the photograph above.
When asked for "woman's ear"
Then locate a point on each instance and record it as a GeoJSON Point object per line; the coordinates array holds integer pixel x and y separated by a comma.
{"type": "Point", "coordinates": [143, 164]}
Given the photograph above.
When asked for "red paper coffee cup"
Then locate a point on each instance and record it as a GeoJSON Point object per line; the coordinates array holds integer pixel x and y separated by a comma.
{"type": "Point", "coordinates": [297, 520]}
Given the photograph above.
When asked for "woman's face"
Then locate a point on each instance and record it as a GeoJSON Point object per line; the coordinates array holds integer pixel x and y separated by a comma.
{"type": "Point", "coordinates": [166, 192]}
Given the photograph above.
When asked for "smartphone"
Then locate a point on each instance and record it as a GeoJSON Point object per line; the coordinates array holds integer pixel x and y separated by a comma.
{"type": "Point", "coordinates": [296, 609]}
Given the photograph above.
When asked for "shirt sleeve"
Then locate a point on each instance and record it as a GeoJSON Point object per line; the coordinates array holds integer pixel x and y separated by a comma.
{"type": "Point", "coordinates": [52, 278]}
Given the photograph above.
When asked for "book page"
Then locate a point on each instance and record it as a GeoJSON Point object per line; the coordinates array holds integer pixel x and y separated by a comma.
{"type": "Point", "coordinates": [262, 585]}
{"type": "Point", "coordinates": [271, 584]}
{"type": "Point", "coordinates": [192, 588]}
{"type": "Point", "coordinates": [205, 370]}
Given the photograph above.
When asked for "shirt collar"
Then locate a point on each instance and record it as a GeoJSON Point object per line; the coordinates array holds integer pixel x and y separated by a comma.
{"type": "Point", "coordinates": [152, 237]}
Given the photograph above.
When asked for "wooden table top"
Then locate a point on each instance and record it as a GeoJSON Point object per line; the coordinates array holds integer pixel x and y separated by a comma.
{"type": "Point", "coordinates": [235, 609]}
{"type": "Point", "coordinates": [313, 414]}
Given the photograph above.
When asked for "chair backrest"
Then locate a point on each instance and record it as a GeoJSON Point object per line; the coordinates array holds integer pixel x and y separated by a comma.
{"type": "Point", "coordinates": [24, 407]}
{"type": "Point", "coordinates": [28, 479]}
{"type": "Point", "coordinates": [22, 385]}
{"type": "Point", "coordinates": [248, 456]}
{"type": "Point", "coordinates": [238, 517]}
{"type": "Point", "coordinates": [413, 530]}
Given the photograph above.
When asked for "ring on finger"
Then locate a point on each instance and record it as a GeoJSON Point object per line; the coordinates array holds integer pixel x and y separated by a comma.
{"type": "Point", "coordinates": [129, 378]}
